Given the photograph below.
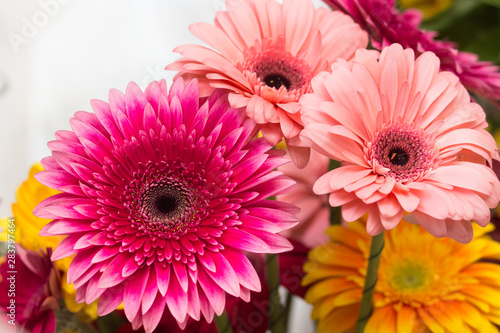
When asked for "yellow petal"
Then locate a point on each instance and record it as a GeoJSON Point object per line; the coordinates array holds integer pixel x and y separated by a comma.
{"type": "Point", "coordinates": [382, 320]}
{"type": "Point", "coordinates": [348, 297]}
{"type": "Point", "coordinates": [323, 307]}
{"type": "Point", "coordinates": [430, 322]}
{"type": "Point", "coordinates": [470, 314]}
{"type": "Point", "coordinates": [317, 272]}
{"type": "Point", "coordinates": [441, 313]}
{"type": "Point", "coordinates": [339, 320]}
{"type": "Point", "coordinates": [347, 236]}
{"type": "Point", "coordinates": [483, 293]}
{"type": "Point", "coordinates": [406, 319]}
{"type": "Point", "coordinates": [488, 273]}
{"type": "Point", "coordinates": [336, 255]}
{"type": "Point", "coordinates": [328, 287]}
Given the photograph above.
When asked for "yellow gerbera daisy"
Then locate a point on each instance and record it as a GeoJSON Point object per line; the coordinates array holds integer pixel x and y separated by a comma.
{"type": "Point", "coordinates": [28, 195]}
{"type": "Point", "coordinates": [425, 284]}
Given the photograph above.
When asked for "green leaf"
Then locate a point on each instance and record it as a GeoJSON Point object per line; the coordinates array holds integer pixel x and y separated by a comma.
{"type": "Point", "coordinates": [494, 3]}
{"type": "Point", "coordinates": [110, 323]}
{"type": "Point", "coordinates": [486, 45]}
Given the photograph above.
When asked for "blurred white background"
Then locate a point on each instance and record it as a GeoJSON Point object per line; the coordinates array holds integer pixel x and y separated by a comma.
{"type": "Point", "coordinates": [57, 55]}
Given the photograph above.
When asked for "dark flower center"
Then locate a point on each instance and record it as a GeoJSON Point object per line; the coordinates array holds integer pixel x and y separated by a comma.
{"type": "Point", "coordinates": [164, 202]}
{"type": "Point", "coordinates": [276, 81]}
{"type": "Point", "coordinates": [278, 69]}
{"type": "Point", "coordinates": [404, 151]}
{"type": "Point", "coordinates": [398, 156]}
{"type": "Point", "coordinates": [166, 199]}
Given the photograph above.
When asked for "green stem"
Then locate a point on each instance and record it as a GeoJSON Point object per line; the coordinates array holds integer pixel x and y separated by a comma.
{"type": "Point", "coordinates": [69, 321]}
{"type": "Point", "coordinates": [110, 322]}
{"type": "Point", "coordinates": [276, 314]}
{"type": "Point", "coordinates": [366, 309]}
{"type": "Point", "coordinates": [288, 306]}
{"type": "Point", "coordinates": [335, 212]}
{"type": "Point", "coordinates": [223, 324]}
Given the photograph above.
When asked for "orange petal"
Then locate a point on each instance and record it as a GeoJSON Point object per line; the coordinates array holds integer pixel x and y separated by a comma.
{"type": "Point", "coordinates": [406, 319]}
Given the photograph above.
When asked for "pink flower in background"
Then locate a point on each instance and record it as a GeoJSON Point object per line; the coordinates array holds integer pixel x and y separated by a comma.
{"type": "Point", "coordinates": [161, 197]}
{"type": "Point", "coordinates": [36, 293]}
{"type": "Point", "coordinates": [411, 141]}
{"type": "Point", "coordinates": [314, 216]}
{"type": "Point", "coordinates": [266, 53]}
{"type": "Point", "coordinates": [386, 25]}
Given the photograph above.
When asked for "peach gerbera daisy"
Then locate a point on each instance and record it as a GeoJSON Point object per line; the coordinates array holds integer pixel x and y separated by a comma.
{"type": "Point", "coordinates": [266, 54]}
{"type": "Point", "coordinates": [410, 139]}
{"type": "Point", "coordinates": [424, 284]}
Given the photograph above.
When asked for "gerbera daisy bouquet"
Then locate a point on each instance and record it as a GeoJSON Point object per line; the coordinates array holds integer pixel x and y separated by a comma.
{"type": "Point", "coordinates": [341, 154]}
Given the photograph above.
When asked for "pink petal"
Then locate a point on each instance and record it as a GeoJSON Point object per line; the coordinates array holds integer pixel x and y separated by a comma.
{"type": "Point", "coordinates": [374, 224]}
{"type": "Point", "coordinates": [354, 210]}
{"type": "Point", "coordinates": [181, 274]}
{"type": "Point", "coordinates": [224, 274]}
{"type": "Point", "coordinates": [461, 231]}
{"type": "Point", "coordinates": [162, 277]}
{"type": "Point", "coordinates": [80, 264]}
{"type": "Point", "coordinates": [243, 240]}
{"type": "Point", "coordinates": [276, 243]}
{"type": "Point", "coordinates": [110, 299]}
{"type": "Point", "coordinates": [193, 301]}
{"type": "Point", "coordinates": [213, 292]}
{"type": "Point", "coordinates": [434, 226]}
{"type": "Point", "coordinates": [152, 317]}
{"type": "Point", "coordinates": [176, 300]}
{"type": "Point", "coordinates": [133, 292]}
{"type": "Point", "coordinates": [243, 268]}
{"type": "Point", "coordinates": [113, 273]}
{"type": "Point", "coordinates": [150, 292]}
{"type": "Point", "coordinates": [65, 248]}
{"type": "Point", "coordinates": [453, 175]}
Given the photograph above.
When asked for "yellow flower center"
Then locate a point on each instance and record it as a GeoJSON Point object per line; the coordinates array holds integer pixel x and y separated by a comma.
{"type": "Point", "coordinates": [418, 279]}
{"type": "Point", "coordinates": [409, 276]}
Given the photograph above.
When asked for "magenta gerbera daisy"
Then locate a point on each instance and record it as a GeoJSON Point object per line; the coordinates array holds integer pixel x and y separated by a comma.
{"type": "Point", "coordinates": [410, 141]}
{"type": "Point", "coordinates": [386, 25]}
{"type": "Point", "coordinates": [266, 54]}
{"type": "Point", "coordinates": [30, 290]}
{"type": "Point", "coordinates": [161, 196]}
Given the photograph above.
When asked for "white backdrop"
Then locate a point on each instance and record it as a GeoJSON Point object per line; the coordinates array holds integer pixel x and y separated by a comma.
{"type": "Point", "coordinates": [57, 55]}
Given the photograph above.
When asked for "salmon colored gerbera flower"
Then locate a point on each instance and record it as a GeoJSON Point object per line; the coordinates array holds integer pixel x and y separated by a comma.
{"type": "Point", "coordinates": [410, 139]}
{"type": "Point", "coordinates": [424, 284]}
{"type": "Point", "coordinates": [266, 54]}
{"type": "Point", "coordinates": [161, 196]}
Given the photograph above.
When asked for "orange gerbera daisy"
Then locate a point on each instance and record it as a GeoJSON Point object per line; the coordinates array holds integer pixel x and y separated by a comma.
{"type": "Point", "coordinates": [425, 284]}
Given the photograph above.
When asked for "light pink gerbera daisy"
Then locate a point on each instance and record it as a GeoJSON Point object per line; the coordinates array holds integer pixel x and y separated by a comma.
{"type": "Point", "coordinates": [410, 139]}
{"type": "Point", "coordinates": [161, 196]}
{"type": "Point", "coordinates": [266, 54]}
{"type": "Point", "coordinates": [386, 25]}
